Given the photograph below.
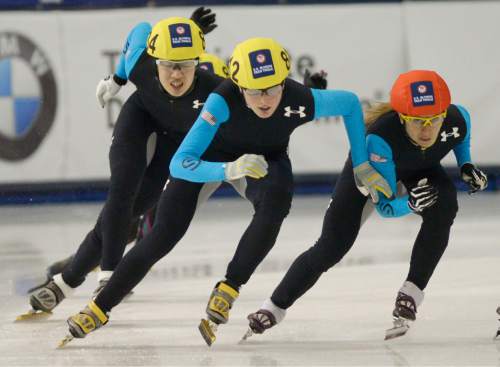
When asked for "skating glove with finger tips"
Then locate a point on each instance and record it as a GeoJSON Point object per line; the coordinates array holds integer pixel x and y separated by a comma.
{"type": "Point", "coordinates": [370, 182]}
{"type": "Point", "coordinates": [474, 177]}
{"type": "Point", "coordinates": [422, 196]}
{"type": "Point", "coordinates": [251, 165]}
{"type": "Point", "coordinates": [316, 80]}
{"type": "Point", "coordinates": [107, 89]}
{"type": "Point", "coordinates": [205, 19]}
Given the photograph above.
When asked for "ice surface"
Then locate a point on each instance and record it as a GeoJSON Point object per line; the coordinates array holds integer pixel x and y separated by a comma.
{"type": "Point", "coordinates": [341, 321]}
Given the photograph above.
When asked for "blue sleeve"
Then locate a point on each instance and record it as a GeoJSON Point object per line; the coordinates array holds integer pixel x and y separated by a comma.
{"type": "Point", "coordinates": [345, 104]}
{"type": "Point", "coordinates": [186, 163]}
{"type": "Point", "coordinates": [462, 150]}
{"type": "Point", "coordinates": [134, 46]}
{"type": "Point", "coordinates": [382, 160]}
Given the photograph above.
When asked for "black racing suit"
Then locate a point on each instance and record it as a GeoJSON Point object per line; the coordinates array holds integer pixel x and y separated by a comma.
{"type": "Point", "coordinates": [342, 220]}
{"type": "Point", "coordinates": [135, 186]}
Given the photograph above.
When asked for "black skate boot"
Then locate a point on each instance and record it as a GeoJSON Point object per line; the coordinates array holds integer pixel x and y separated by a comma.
{"type": "Point", "coordinates": [265, 318]}
{"type": "Point", "coordinates": [405, 310]}
{"type": "Point", "coordinates": [405, 307]}
{"type": "Point", "coordinates": [260, 321]}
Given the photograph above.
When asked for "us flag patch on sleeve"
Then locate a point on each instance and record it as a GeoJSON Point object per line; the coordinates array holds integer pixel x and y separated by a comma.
{"type": "Point", "coordinates": [377, 158]}
{"type": "Point", "coordinates": [208, 117]}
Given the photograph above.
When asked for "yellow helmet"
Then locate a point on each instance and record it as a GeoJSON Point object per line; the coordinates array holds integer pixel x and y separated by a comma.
{"type": "Point", "coordinates": [176, 39]}
{"type": "Point", "coordinates": [259, 63]}
{"type": "Point", "coordinates": [213, 64]}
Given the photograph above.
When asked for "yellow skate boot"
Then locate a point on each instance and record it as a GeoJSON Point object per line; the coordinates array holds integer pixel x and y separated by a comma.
{"type": "Point", "coordinates": [220, 302]}
{"type": "Point", "coordinates": [89, 319]}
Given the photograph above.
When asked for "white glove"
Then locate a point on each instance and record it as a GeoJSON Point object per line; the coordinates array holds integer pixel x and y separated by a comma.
{"type": "Point", "coordinates": [370, 182]}
{"type": "Point", "coordinates": [106, 89]}
{"type": "Point", "coordinates": [247, 165]}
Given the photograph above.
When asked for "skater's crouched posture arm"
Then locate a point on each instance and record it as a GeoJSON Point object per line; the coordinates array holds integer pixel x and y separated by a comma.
{"type": "Point", "coordinates": [406, 141]}
{"type": "Point", "coordinates": [242, 132]}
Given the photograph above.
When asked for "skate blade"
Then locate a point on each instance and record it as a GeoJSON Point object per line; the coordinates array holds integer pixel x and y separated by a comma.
{"type": "Point", "coordinates": [65, 341]}
{"type": "Point", "coordinates": [247, 335]}
{"type": "Point", "coordinates": [396, 331]}
{"type": "Point", "coordinates": [207, 332]}
{"type": "Point", "coordinates": [33, 315]}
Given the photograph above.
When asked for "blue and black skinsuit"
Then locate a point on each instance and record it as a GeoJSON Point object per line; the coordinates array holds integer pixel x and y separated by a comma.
{"type": "Point", "coordinates": [136, 186]}
{"type": "Point", "coordinates": [394, 156]}
{"type": "Point", "coordinates": [225, 130]}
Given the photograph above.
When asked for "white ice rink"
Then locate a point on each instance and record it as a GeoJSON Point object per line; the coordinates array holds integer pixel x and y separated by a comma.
{"type": "Point", "coordinates": [341, 321]}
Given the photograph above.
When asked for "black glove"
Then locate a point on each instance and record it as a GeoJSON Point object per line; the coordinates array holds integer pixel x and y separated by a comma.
{"type": "Point", "coordinates": [422, 196]}
{"type": "Point", "coordinates": [205, 19]}
{"type": "Point", "coordinates": [474, 177]}
{"type": "Point", "coordinates": [316, 80]}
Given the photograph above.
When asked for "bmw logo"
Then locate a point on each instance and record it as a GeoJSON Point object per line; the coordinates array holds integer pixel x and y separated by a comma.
{"type": "Point", "coordinates": [422, 89]}
{"type": "Point", "coordinates": [261, 58]}
{"type": "Point", "coordinates": [28, 96]}
{"type": "Point", "coordinates": [180, 30]}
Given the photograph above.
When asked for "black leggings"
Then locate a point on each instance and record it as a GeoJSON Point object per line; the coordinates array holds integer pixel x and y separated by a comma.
{"type": "Point", "coordinates": [134, 188]}
{"type": "Point", "coordinates": [341, 226]}
{"type": "Point", "coordinates": [271, 197]}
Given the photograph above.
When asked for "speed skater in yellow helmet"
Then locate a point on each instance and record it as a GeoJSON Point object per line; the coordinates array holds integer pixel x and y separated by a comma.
{"type": "Point", "coordinates": [176, 39]}
{"type": "Point", "coordinates": [213, 64]}
{"type": "Point", "coordinates": [259, 63]}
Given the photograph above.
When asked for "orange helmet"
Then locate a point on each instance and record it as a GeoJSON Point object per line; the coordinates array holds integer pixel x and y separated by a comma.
{"type": "Point", "coordinates": [420, 93]}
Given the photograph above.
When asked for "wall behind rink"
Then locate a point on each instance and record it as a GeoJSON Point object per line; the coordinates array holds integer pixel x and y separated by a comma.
{"type": "Point", "coordinates": [363, 48]}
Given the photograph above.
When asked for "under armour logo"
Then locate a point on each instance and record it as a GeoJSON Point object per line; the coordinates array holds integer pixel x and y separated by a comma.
{"type": "Point", "coordinates": [197, 104]}
{"type": "Point", "coordinates": [454, 133]}
{"type": "Point", "coordinates": [300, 111]}
{"type": "Point", "coordinates": [191, 163]}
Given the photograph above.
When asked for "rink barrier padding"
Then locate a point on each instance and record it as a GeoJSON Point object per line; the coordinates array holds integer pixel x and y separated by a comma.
{"type": "Point", "coordinates": [96, 191]}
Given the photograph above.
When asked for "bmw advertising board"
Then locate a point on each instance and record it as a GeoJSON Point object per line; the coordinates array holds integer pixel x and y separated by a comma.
{"type": "Point", "coordinates": [28, 96]}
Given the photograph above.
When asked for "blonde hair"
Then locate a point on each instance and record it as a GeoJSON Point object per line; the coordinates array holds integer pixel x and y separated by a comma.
{"type": "Point", "coordinates": [373, 112]}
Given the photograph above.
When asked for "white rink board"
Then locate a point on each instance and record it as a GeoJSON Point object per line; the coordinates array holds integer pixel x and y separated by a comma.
{"type": "Point", "coordinates": [459, 39]}
{"type": "Point", "coordinates": [363, 47]}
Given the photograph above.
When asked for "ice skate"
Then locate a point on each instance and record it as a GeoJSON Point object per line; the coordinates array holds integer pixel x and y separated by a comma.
{"type": "Point", "coordinates": [220, 302]}
{"type": "Point", "coordinates": [404, 313]}
{"type": "Point", "coordinates": [408, 299]}
{"type": "Point", "coordinates": [265, 318]}
{"type": "Point", "coordinates": [89, 319]}
{"type": "Point", "coordinates": [400, 327]}
{"type": "Point", "coordinates": [45, 299]}
{"type": "Point", "coordinates": [258, 322]}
